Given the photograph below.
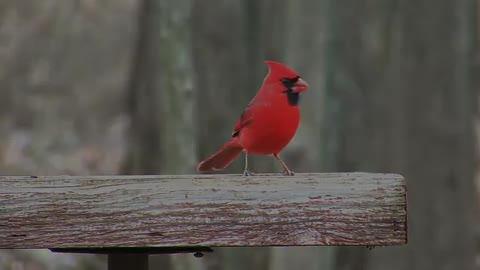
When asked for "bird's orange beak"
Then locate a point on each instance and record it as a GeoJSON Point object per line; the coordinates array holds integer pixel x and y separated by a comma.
{"type": "Point", "coordinates": [300, 86]}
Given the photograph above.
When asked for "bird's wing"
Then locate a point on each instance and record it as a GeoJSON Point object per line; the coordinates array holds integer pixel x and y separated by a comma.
{"type": "Point", "coordinates": [244, 120]}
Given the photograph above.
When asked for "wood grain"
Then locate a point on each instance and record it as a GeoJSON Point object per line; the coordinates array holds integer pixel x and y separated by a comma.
{"type": "Point", "coordinates": [202, 210]}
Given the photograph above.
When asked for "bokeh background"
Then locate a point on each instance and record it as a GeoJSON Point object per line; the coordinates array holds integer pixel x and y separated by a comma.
{"type": "Point", "coordinates": [152, 86]}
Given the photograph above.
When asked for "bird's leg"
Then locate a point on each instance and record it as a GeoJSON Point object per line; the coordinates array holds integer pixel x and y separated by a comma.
{"type": "Point", "coordinates": [286, 170]}
{"type": "Point", "coordinates": [246, 172]}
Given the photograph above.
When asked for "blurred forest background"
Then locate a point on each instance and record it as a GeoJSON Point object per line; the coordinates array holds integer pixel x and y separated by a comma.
{"type": "Point", "coordinates": [152, 86]}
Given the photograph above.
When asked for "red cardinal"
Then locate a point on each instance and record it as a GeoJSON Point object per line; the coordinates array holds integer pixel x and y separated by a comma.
{"type": "Point", "coordinates": [267, 124]}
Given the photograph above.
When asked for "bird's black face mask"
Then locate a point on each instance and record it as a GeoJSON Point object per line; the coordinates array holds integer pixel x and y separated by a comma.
{"type": "Point", "coordinates": [292, 96]}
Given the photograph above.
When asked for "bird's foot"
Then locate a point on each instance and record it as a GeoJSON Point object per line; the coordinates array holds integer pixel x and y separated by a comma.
{"type": "Point", "coordinates": [247, 173]}
{"type": "Point", "coordinates": [288, 173]}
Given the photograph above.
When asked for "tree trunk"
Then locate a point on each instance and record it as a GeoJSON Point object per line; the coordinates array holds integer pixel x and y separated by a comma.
{"type": "Point", "coordinates": [221, 62]}
{"type": "Point", "coordinates": [161, 91]}
{"type": "Point", "coordinates": [404, 80]}
{"type": "Point", "coordinates": [161, 98]}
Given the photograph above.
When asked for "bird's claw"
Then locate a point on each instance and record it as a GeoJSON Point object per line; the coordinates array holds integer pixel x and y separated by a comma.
{"type": "Point", "coordinates": [247, 173]}
{"type": "Point", "coordinates": [288, 173]}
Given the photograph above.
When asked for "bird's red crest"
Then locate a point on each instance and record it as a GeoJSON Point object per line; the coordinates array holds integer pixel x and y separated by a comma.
{"type": "Point", "coordinates": [279, 71]}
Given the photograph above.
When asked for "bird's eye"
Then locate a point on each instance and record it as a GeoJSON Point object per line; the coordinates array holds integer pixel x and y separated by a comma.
{"type": "Point", "coordinates": [290, 80]}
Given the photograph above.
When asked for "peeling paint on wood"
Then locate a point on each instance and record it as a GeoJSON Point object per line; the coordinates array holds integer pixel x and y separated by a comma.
{"type": "Point", "coordinates": [202, 210]}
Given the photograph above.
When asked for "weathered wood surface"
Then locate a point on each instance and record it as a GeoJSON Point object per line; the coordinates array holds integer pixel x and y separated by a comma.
{"type": "Point", "coordinates": [202, 210]}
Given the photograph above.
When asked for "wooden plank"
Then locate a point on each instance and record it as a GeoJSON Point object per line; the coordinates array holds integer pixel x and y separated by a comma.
{"type": "Point", "coordinates": [202, 210]}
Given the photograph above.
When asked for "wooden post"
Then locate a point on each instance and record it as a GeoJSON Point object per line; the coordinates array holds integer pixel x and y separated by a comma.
{"type": "Point", "coordinates": [138, 215]}
{"type": "Point", "coordinates": [128, 262]}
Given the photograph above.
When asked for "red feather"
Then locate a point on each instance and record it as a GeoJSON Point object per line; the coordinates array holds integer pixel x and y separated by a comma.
{"type": "Point", "coordinates": [222, 158]}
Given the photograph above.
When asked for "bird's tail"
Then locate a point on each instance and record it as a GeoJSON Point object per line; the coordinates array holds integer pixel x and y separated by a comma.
{"type": "Point", "coordinates": [222, 158]}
